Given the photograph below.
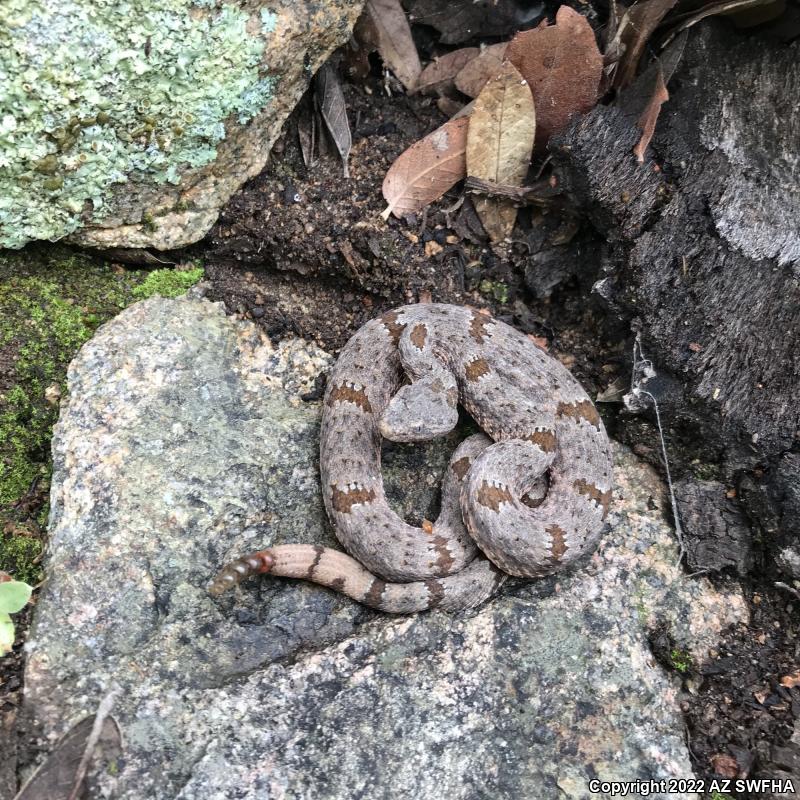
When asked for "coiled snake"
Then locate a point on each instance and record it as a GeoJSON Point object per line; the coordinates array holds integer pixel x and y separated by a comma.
{"type": "Point", "coordinates": [528, 503]}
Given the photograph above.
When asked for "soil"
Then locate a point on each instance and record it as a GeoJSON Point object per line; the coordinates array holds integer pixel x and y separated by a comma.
{"type": "Point", "coordinates": [746, 708]}
{"type": "Point", "coordinates": [300, 250]}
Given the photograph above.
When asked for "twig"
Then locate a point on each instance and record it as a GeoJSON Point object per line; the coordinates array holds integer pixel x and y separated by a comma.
{"type": "Point", "coordinates": [792, 590]}
{"type": "Point", "coordinates": [103, 710]}
{"type": "Point", "coordinates": [538, 194]}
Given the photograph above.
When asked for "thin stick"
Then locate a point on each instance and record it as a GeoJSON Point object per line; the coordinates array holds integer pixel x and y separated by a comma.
{"type": "Point", "coordinates": [539, 194]}
{"type": "Point", "coordinates": [782, 585]}
{"type": "Point", "coordinates": [103, 710]}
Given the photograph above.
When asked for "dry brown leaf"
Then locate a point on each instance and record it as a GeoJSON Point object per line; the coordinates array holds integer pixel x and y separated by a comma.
{"type": "Point", "coordinates": [439, 76]}
{"type": "Point", "coordinates": [725, 765]}
{"type": "Point", "coordinates": [425, 171]}
{"type": "Point", "coordinates": [61, 776]}
{"type": "Point", "coordinates": [473, 76]}
{"type": "Point", "coordinates": [647, 121]}
{"type": "Point", "coordinates": [635, 29]}
{"type": "Point", "coordinates": [791, 680]}
{"type": "Point", "coordinates": [499, 145]}
{"type": "Point", "coordinates": [393, 40]}
{"type": "Point", "coordinates": [563, 66]}
{"type": "Point", "coordinates": [727, 8]}
{"type": "Point", "coordinates": [332, 108]}
{"type": "Point", "coordinates": [641, 102]}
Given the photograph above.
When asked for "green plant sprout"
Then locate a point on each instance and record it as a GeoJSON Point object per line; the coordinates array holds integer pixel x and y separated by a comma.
{"type": "Point", "coordinates": [14, 595]}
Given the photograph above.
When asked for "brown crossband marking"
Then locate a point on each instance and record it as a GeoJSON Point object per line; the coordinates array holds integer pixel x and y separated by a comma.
{"type": "Point", "coordinates": [375, 593]}
{"type": "Point", "coordinates": [444, 559]}
{"type": "Point", "coordinates": [559, 546]}
{"type": "Point", "coordinates": [578, 411]}
{"type": "Point", "coordinates": [476, 369]}
{"type": "Point", "coordinates": [337, 584]}
{"type": "Point", "coordinates": [395, 328]}
{"type": "Point", "coordinates": [589, 489]}
{"type": "Point", "coordinates": [461, 467]}
{"type": "Point", "coordinates": [318, 551]}
{"type": "Point", "coordinates": [343, 501]}
{"type": "Point", "coordinates": [418, 335]}
{"type": "Point", "coordinates": [435, 592]}
{"type": "Point", "coordinates": [478, 325]}
{"type": "Point", "coordinates": [546, 439]}
{"type": "Point", "coordinates": [348, 394]}
{"type": "Point", "coordinates": [492, 496]}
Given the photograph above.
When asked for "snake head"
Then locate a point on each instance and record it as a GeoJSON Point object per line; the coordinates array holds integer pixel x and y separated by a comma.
{"type": "Point", "coordinates": [235, 572]}
{"type": "Point", "coordinates": [420, 411]}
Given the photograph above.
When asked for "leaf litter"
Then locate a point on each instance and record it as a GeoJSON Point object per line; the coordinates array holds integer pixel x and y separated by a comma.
{"type": "Point", "coordinates": [427, 169]}
{"type": "Point", "coordinates": [499, 144]}
{"type": "Point", "coordinates": [333, 110]}
{"type": "Point", "coordinates": [392, 39]}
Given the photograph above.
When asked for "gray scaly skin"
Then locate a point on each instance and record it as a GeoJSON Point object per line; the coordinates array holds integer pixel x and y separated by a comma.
{"type": "Point", "coordinates": [527, 502]}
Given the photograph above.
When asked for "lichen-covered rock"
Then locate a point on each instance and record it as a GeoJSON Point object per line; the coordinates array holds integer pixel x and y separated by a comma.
{"type": "Point", "coordinates": [184, 442]}
{"type": "Point", "coordinates": [130, 124]}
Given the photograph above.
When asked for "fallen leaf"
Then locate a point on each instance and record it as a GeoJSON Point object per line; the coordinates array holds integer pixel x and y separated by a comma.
{"type": "Point", "coordinates": [540, 341]}
{"type": "Point", "coordinates": [709, 11]}
{"type": "Point", "coordinates": [563, 67]}
{"type": "Point", "coordinates": [761, 695]}
{"type": "Point", "coordinates": [60, 774]}
{"type": "Point", "coordinates": [758, 15]}
{"type": "Point", "coordinates": [393, 40]}
{"type": "Point", "coordinates": [458, 21]}
{"type": "Point", "coordinates": [305, 135]}
{"type": "Point", "coordinates": [425, 171]}
{"type": "Point", "coordinates": [439, 76]}
{"type": "Point", "coordinates": [641, 103]}
{"type": "Point", "coordinates": [333, 110]}
{"type": "Point", "coordinates": [647, 121]}
{"type": "Point", "coordinates": [473, 76]}
{"type": "Point", "coordinates": [725, 765]}
{"type": "Point", "coordinates": [499, 145]}
{"type": "Point", "coordinates": [635, 29]}
{"type": "Point", "coordinates": [432, 248]}
{"type": "Point", "coordinates": [791, 680]}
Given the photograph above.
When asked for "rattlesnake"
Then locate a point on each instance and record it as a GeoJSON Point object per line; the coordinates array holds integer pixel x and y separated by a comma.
{"type": "Point", "coordinates": [532, 502]}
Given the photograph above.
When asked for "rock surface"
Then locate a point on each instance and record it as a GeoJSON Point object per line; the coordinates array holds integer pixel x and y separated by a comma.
{"type": "Point", "coordinates": [184, 442]}
{"type": "Point", "coordinates": [130, 124]}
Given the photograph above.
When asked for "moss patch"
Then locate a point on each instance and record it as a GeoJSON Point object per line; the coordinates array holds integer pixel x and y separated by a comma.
{"type": "Point", "coordinates": [168, 282]}
{"type": "Point", "coordinates": [51, 301]}
{"type": "Point", "coordinates": [681, 660]}
{"type": "Point", "coordinates": [19, 557]}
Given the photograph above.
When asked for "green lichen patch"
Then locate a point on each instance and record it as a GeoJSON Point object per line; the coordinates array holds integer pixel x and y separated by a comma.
{"type": "Point", "coordinates": [51, 301]}
{"type": "Point", "coordinates": [168, 282]}
{"type": "Point", "coordinates": [100, 92]}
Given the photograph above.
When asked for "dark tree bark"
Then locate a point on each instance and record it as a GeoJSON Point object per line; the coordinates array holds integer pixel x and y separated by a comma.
{"type": "Point", "coordinates": [704, 261]}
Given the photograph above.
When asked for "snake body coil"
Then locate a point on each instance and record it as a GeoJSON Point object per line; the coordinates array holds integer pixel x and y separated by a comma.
{"type": "Point", "coordinates": [528, 501]}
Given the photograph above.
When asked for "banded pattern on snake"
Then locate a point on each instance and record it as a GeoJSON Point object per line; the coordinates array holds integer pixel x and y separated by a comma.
{"type": "Point", "coordinates": [527, 499]}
